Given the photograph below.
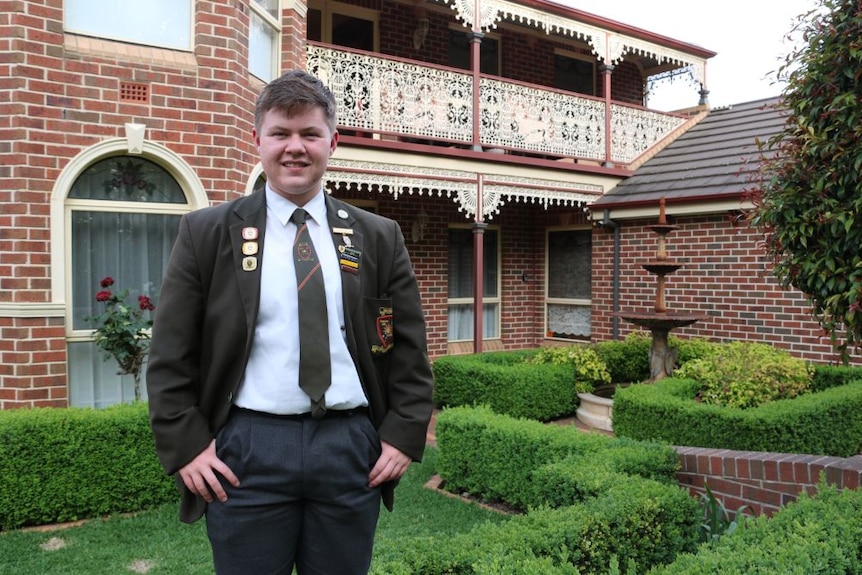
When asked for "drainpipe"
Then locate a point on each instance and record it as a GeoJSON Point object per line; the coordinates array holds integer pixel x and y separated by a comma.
{"type": "Point", "coordinates": [606, 221]}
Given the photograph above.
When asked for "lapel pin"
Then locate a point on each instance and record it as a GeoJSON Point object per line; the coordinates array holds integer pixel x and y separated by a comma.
{"type": "Point", "coordinates": [249, 248]}
{"type": "Point", "coordinates": [249, 234]}
{"type": "Point", "coordinates": [249, 264]}
{"type": "Point", "coordinates": [342, 214]}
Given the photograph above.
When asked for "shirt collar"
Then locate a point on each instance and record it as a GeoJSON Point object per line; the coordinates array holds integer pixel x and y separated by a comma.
{"type": "Point", "coordinates": [283, 208]}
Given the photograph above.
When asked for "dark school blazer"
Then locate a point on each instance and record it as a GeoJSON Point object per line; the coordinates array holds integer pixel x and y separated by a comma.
{"type": "Point", "coordinates": [205, 322]}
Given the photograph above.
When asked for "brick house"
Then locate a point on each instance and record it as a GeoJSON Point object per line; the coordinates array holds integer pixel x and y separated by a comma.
{"type": "Point", "coordinates": [487, 140]}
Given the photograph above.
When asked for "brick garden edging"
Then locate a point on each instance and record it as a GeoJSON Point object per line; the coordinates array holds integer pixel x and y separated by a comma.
{"type": "Point", "coordinates": [764, 481]}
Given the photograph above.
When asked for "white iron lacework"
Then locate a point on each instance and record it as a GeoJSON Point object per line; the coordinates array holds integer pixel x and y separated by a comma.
{"type": "Point", "coordinates": [390, 96]}
{"type": "Point", "coordinates": [527, 118]}
{"type": "Point", "coordinates": [609, 47]}
{"type": "Point", "coordinates": [398, 180]}
{"type": "Point", "coordinates": [425, 103]}
{"type": "Point", "coordinates": [634, 131]}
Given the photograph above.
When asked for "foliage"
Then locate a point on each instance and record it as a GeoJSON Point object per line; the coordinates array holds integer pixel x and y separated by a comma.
{"type": "Point", "coordinates": [506, 384]}
{"type": "Point", "coordinates": [123, 331]}
{"type": "Point", "coordinates": [626, 360]}
{"type": "Point", "coordinates": [717, 520]}
{"type": "Point", "coordinates": [807, 200]}
{"type": "Point", "coordinates": [72, 463]}
{"type": "Point", "coordinates": [589, 369]}
{"type": "Point", "coordinates": [813, 535]}
{"type": "Point", "coordinates": [667, 411]}
{"type": "Point", "coordinates": [744, 374]}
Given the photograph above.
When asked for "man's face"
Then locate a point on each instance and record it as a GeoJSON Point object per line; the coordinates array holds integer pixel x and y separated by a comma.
{"type": "Point", "coordinates": [294, 151]}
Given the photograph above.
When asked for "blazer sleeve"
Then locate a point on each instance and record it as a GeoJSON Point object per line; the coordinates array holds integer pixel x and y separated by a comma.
{"type": "Point", "coordinates": [406, 371]}
{"type": "Point", "coordinates": [173, 374]}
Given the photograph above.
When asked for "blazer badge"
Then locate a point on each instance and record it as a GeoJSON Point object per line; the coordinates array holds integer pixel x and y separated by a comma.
{"type": "Point", "coordinates": [384, 330]}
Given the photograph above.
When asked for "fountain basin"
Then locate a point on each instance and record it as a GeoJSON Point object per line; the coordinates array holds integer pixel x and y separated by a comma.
{"type": "Point", "coordinates": [662, 321]}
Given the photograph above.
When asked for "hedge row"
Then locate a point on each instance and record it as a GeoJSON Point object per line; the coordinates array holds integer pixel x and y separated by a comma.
{"type": "Point", "coordinates": [642, 522]}
{"type": "Point", "coordinates": [502, 381]}
{"type": "Point", "coordinates": [819, 535]}
{"type": "Point", "coordinates": [498, 458]}
{"type": "Point", "coordinates": [60, 465]}
{"type": "Point", "coordinates": [587, 511]}
{"type": "Point", "coordinates": [824, 423]}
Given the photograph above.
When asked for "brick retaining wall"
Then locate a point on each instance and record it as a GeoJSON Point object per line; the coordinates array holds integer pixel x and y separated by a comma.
{"type": "Point", "coordinates": [764, 481]}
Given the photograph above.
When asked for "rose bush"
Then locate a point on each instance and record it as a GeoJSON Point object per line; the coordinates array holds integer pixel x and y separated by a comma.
{"type": "Point", "coordinates": [122, 330]}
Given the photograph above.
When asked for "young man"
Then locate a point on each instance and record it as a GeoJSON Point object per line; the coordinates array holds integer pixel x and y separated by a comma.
{"type": "Point", "coordinates": [287, 446]}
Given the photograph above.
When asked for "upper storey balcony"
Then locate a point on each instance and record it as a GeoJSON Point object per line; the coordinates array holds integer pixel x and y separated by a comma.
{"type": "Point", "coordinates": [527, 79]}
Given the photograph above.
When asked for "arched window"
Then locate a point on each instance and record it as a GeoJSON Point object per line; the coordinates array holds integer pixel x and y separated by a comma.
{"type": "Point", "coordinates": [122, 214]}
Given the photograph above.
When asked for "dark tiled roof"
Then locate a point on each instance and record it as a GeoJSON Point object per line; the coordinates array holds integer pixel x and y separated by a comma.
{"type": "Point", "coordinates": [709, 161]}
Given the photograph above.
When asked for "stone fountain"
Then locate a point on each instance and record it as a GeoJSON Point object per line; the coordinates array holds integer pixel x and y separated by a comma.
{"type": "Point", "coordinates": [660, 321]}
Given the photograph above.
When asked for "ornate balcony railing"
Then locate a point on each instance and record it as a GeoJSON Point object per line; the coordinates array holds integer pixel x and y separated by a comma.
{"type": "Point", "coordinates": [408, 99]}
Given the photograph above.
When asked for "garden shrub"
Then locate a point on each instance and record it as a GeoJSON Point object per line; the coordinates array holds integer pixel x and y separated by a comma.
{"type": "Point", "coordinates": [495, 456]}
{"type": "Point", "coordinates": [812, 535]}
{"type": "Point", "coordinates": [627, 361]}
{"type": "Point", "coordinates": [828, 376]}
{"type": "Point", "coordinates": [588, 369]}
{"type": "Point", "coordinates": [507, 384]}
{"type": "Point", "coordinates": [744, 375]}
{"type": "Point", "coordinates": [60, 465]}
{"type": "Point", "coordinates": [824, 423]}
{"type": "Point", "coordinates": [641, 522]}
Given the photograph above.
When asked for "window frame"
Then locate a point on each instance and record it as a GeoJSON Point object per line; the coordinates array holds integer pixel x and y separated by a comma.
{"type": "Point", "coordinates": [275, 24]}
{"type": "Point", "coordinates": [573, 302]}
{"type": "Point", "coordinates": [486, 300]}
{"type": "Point", "coordinates": [107, 35]}
{"type": "Point", "coordinates": [194, 196]}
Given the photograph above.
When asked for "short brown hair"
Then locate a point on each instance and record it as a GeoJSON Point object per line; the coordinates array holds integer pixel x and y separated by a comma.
{"type": "Point", "coordinates": [293, 91]}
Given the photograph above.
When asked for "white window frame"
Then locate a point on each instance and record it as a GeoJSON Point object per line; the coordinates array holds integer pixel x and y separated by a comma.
{"type": "Point", "coordinates": [486, 300]}
{"type": "Point", "coordinates": [574, 302]}
{"type": "Point", "coordinates": [274, 24]}
{"type": "Point", "coordinates": [125, 26]}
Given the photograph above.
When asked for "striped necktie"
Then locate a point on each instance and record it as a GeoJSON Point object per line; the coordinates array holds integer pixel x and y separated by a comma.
{"type": "Point", "coordinates": [315, 369]}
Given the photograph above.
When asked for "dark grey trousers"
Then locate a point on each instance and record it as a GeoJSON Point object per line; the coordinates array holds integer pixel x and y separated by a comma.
{"type": "Point", "coordinates": [303, 498]}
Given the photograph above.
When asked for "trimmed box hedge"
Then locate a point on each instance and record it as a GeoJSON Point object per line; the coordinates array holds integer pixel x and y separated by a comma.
{"type": "Point", "coordinates": [812, 535]}
{"type": "Point", "coordinates": [827, 422]}
{"type": "Point", "coordinates": [59, 465]}
{"type": "Point", "coordinates": [496, 457]}
{"type": "Point", "coordinates": [505, 383]}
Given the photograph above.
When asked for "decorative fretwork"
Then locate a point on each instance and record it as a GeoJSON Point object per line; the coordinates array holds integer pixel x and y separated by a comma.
{"type": "Point", "coordinates": [414, 101]}
{"type": "Point", "coordinates": [517, 116]}
{"type": "Point", "coordinates": [398, 180]}
{"type": "Point", "coordinates": [383, 95]}
{"type": "Point", "coordinates": [634, 131]}
{"type": "Point", "coordinates": [609, 47]}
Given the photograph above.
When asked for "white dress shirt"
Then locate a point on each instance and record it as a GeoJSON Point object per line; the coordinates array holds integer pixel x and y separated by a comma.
{"type": "Point", "coordinates": [271, 382]}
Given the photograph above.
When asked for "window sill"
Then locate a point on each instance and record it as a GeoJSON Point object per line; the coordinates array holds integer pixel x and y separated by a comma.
{"type": "Point", "coordinates": [87, 46]}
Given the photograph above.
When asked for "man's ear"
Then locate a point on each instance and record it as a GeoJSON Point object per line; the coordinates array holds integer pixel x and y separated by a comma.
{"type": "Point", "coordinates": [333, 143]}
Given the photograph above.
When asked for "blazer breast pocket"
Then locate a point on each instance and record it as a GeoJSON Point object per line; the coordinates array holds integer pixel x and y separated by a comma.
{"type": "Point", "coordinates": [382, 336]}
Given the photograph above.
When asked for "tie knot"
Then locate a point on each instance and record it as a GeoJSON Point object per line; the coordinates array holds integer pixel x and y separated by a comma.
{"type": "Point", "coordinates": [298, 216]}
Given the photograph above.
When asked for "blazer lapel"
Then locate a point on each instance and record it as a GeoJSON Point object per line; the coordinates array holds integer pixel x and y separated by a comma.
{"type": "Point", "coordinates": [347, 240]}
{"type": "Point", "coordinates": [247, 233]}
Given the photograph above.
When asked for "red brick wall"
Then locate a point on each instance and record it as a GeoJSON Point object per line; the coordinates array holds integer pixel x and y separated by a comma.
{"type": "Point", "coordinates": [56, 102]}
{"type": "Point", "coordinates": [725, 277]}
{"type": "Point", "coordinates": [763, 481]}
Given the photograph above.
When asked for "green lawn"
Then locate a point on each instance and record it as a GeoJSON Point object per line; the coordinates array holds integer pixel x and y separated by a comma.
{"type": "Point", "coordinates": [156, 542]}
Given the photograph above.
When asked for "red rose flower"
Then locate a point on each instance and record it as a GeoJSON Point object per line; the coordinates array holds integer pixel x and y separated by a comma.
{"type": "Point", "coordinates": [107, 282]}
{"type": "Point", "coordinates": [103, 295]}
{"type": "Point", "coordinates": [145, 304]}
